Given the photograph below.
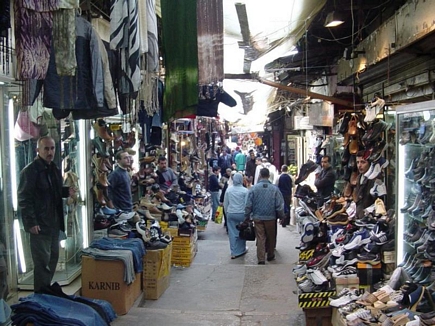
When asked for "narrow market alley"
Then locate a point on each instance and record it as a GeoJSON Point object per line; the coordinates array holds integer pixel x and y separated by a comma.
{"type": "Point", "coordinates": [216, 290]}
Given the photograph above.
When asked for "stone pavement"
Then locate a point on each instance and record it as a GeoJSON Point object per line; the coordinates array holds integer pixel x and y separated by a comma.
{"type": "Point", "coordinates": [218, 290]}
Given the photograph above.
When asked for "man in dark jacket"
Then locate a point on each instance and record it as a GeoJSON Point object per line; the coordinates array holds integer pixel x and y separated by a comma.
{"type": "Point", "coordinates": [251, 166]}
{"type": "Point", "coordinates": [214, 188]}
{"type": "Point", "coordinates": [40, 196]}
{"type": "Point", "coordinates": [325, 180]}
{"type": "Point", "coordinates": [225, 161]}
{"type": "Point", "coordinates": [285, 185]}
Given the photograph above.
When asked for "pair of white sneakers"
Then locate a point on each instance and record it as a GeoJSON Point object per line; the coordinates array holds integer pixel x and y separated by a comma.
{"type": "Point", "coordinates": [348, 297]}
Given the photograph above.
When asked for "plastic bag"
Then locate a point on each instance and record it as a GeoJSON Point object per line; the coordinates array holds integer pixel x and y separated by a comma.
{"type": "Point", "coordinates": [219, 215]}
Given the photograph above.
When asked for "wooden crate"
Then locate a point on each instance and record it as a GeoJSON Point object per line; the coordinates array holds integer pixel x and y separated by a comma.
{"type": "Point", "coordinates": [318, 317]}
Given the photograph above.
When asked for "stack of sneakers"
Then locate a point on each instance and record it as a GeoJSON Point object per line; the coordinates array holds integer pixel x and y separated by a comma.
{"type": "Point", "coordinates": [314, 280]}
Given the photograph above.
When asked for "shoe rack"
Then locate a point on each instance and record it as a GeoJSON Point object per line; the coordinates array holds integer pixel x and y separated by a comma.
{"type": "Point", "coordinates": [415, 190]}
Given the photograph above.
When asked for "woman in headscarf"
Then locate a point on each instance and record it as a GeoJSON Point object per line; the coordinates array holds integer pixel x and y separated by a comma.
{"type": "Point", "coordinates": [234, 206]}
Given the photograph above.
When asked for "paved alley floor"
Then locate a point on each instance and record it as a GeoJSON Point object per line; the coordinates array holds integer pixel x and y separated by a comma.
{"type": "Point", "coordinates": [218, 290]}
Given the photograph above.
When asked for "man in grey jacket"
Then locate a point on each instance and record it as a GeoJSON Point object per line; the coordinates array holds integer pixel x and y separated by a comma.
{"type": "Point", "coordinates": [264, 205]}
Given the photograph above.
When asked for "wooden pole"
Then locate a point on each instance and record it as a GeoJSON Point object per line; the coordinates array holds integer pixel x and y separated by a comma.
{"type": "Point", "coordinates": [307, 93]}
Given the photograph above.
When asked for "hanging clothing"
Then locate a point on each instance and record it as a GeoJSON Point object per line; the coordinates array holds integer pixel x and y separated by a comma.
{"type": "Point", "coordinates": [210, 42]}
{"type": "Point", "coordinates": [152, 37]}
{"type": "Point", "coordinates": [124, 30]}
{"type": "Point", "coordinates": [85, 90]}
{"type": "Point", "coordinates": [181, 94]}
{"type": "Point", "coordinates": [33, 34]}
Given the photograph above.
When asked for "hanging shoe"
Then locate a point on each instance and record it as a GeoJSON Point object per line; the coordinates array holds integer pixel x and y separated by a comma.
{"type": "Point", "coordinates": [101, 130]}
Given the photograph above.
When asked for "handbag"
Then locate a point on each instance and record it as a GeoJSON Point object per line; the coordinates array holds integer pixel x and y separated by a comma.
{"type": "Point", "coordinates": [246, 230]}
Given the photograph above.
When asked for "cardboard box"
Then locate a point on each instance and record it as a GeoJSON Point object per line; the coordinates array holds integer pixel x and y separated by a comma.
{"type": "Point", "coordinates": [182, 240]}
{"type": "Point", "coordinates": [157, 272]}
{"type": "Point", "coordinates": [318, 317]}
{"type": "Point", "coordinates": [104, 279]}
{"type": "Point", "coordinates": [154, 288]}
{"type": "Point", "coordinates": [172, 231]}
{"type": "Point", "coordinates": [369, 274]}
{"type": "Point", "coordinates": [157, 263]}
{"type": "Point", "coordinates": [314, 300]}
{"type": "Point", "coordinates": [341, 282]}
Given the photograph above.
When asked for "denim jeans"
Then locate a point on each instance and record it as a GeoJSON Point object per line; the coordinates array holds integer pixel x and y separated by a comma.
{"type": "Point", "coordinates": [40, 308]}
{"type": "Point", "coordinates": [25, 152]}
{"type": "Point", "coordinates": [136, 246]}
{"type": "Point", "coordinates": [214, 202]}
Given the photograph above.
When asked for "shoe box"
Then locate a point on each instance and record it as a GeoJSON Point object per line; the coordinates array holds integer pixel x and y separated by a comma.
{"type": "Point", "coordinates": [104, 279]}
{"type": "Point", "coordinates": [368, 275]}
{"type": "Point", "coordinates": [341, 282]}
{"type": "Point", "coordinates": [184, 250]}
{"type": "Point", "coordinates": [388, 263]}
{"type": "Point", "coordinates": [156, 272]}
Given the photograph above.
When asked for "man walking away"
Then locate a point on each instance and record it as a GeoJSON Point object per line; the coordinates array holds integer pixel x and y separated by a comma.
{"type": "Point", "coordinates": [285, 185]}
{"type": "Point", "coordinates": [264, 205]}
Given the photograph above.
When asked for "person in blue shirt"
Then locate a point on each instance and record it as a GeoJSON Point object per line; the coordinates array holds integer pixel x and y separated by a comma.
{"type": "Point", "coordinates": [225, 161]}
{"type": "Point", "coordinates": [120, 183]}
{"type": "Point", "coordinates": [265, 205]}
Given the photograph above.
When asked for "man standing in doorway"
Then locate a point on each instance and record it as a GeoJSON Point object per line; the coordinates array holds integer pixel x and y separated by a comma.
{"type": "Point", "coordinates": [120, 183]}
{"type": "Point", "coordinates": [265, 204]}
{"type": "Point", "coordinates": [40, 196]}
{"type": "Point", "coordinates": [325, 180]}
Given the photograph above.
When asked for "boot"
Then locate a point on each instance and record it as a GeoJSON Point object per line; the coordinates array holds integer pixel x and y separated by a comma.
{"type": "Point", "coordinates": [145, 214]}
{"type": "Point", "coordinates": [101, 130]}
{"type": "Point", "coordinates": [146, 203]}
{"type": "Point", "coordinates": [100, 196]}
{"type": "Point", "coordinates": [99, 163]}
{"type": "Point", "coordinates": [102, 178]}
{"type": "Point", "coordinates": [161, 196]}
{"type": "Point", "coordinates": [100, 146]}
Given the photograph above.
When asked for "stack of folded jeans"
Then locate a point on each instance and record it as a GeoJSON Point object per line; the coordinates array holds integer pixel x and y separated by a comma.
{"type": "Point", "coordinates": [44, 309]}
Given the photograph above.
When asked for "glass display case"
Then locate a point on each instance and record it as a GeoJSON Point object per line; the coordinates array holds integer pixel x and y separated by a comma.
{"type": "Point", "coordinates": [415, 178]}
{"type": "Point", "coordinates": [71, 157]}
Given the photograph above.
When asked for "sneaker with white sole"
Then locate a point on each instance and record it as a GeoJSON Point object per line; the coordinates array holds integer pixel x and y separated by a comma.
{"type": "Point", "coordinates": [317, 276]}
{"type": "Point", "coordinates": [306, 286]}
{"type": "Point", "coordinates": [344, 300]}
{"type": "Point", "coordinates": [346, 272]}
{"type": "Point", "coordinates": [359, 313]}
{"type": "Point", "coordinates": [359, 238]}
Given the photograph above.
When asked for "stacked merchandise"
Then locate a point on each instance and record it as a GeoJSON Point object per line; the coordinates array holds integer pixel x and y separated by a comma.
{"type": "Point", "coordinates": [344, 241]}
{"type": "Point", "coordinates": [184, 249]}
{"type": "Point", "coordinates": [57, 308]}
{"type": "Point", "coordinates": [395, 303]}
{"type": "Point", "coordinates": [184, 206]}
{"type": "Point", "coordinates": [111, 270]}
{"type": "Point", "coordinates": [416, 201]}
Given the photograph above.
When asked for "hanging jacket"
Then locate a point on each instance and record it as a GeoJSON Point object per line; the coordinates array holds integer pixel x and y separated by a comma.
{"type": "Point", "coordinates": [85, 90]}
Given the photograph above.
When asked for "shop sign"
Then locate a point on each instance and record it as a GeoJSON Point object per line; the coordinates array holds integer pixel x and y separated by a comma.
{"type": "Point", "coordinates": [321, 114]}
{"type": "Point", "coordinates": [302, 123]}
